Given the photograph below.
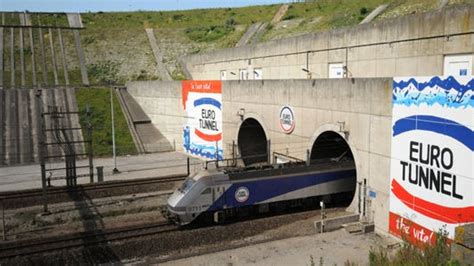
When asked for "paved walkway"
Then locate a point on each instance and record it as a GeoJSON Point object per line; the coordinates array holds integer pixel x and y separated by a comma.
{"type": "Point", "coordinates": [130, 167]}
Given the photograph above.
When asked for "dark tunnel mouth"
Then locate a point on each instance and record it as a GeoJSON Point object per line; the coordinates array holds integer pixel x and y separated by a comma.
{"type": "Point", "coordinates": [331, 145]}
{"type": "Point", "coordinates": [252, 142]}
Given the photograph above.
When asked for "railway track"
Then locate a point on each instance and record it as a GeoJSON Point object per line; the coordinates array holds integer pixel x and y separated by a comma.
{"type": "Point", "coordinates": [30, 247]}
{"type": "Point", "coordinates": [19, 199]}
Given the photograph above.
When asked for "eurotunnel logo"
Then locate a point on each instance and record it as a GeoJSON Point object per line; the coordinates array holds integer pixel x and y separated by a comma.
{"type": "Point", "coordinates": [287, 119]}
{"type": "Point", "coordinates": [431, 160]}
{"type": "Point", "coordinates": [208, 128]}
{"type": "Point", "coordinates": [202, 132]}
{"type": "Point", "coordinates": [242, 194]}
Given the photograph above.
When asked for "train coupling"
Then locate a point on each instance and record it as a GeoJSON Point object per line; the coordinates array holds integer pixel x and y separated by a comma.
{"type": "Point", "coordinates": [170, 217]}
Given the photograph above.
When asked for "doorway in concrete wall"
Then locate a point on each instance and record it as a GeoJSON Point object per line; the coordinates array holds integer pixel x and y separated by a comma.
{"type": "Point", "coordinates": [332, 148]}
{"type": "Point", "coordinates": [252, 142]}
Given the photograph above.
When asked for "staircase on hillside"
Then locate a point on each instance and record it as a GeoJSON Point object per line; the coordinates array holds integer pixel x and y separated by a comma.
{"type": "Point", "coordinates": [255, 31]}
{"type": "Point", "coordinates": [160, 67]}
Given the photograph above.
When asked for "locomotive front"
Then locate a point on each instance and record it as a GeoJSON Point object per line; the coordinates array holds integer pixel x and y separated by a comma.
{"type": "Point", "coordinates": [180, 207]}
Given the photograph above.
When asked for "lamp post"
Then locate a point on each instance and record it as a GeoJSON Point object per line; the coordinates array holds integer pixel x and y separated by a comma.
{"type": "Point", "coordinates": [307, 72]}
{"type": "Point", "coordinates": [115, 170]}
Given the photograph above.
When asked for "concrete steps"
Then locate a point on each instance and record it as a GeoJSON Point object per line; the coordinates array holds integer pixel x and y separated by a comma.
{"type": "Point", "coordinates": [359, 227]}
{"type": "Point", "coordinates": [279, 14]}
{"type": "Point", "coordinates": [255, 32]}
{"type": "Point", "coordinates": [252, 29]}
{"type": "Point", "coordinates": [375, 13]}
{"type": "Point", "coordinates": [20, 123]}
{"type": "Point", "coordinates": [160, 67]}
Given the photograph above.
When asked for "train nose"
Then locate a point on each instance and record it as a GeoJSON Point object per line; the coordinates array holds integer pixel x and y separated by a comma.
{"type": "Point", "coordinates": [174, 199]}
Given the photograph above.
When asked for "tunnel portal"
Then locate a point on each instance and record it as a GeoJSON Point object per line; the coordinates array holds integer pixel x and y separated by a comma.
{"type": "Point", "coordinates": [252, 142]}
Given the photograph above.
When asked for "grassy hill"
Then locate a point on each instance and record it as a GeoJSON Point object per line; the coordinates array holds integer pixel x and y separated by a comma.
{"type": "Point", "coordinates": [119, 39]}
{"type": "Point", "coordinates": [118, 50]}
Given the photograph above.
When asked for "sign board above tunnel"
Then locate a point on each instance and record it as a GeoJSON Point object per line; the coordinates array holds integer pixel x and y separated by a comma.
{"type": "Point", "coordinates": [432, 178]}
{"type": "Point", "coordinates": [202, 132]}
{"type": "Point", "coordinates": [287, 119]}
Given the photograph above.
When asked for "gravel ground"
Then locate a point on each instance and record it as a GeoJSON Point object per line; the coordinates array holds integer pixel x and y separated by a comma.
{"type": "Point", "coordinates": [333, 248]}
{"type": "Point", "coordinates": [90, 214]}
{"type": "Point", "coordinates": [237, 237]}
{"type": "Point", "coordinates": [288, 239]}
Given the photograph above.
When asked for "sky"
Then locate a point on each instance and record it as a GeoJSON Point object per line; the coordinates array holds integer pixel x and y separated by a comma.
{"type": "Point", "coordinates": [123, 5]}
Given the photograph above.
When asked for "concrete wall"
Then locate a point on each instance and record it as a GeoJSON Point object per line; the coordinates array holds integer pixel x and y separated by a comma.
{"type": "Point", "coordinates": [363, 105]}
{"type": "Point", "coordinates": [412, 45]}
{"type": "Point", "coordinates": [161, 101]}
{"type": "Point", "coordinates": [20, 123]}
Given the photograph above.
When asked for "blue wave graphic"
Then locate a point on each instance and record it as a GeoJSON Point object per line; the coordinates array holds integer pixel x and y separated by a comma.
{"type": "Point", "coordinates": [438, 125]}
{"type": "Point", "coordinates": [446, 92]}
{"type": "Point", "coordinates": [210, 101]}
{"type": "Point", "coordinates": [206, 151]}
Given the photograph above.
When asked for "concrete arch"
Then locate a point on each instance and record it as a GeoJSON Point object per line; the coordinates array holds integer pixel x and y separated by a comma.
{"type": "Point", "coordinates": [262, 148]}
{"type": "Point", "coordinates": [330, 127]}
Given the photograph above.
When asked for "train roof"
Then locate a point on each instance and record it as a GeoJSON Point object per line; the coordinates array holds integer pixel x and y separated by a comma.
{"type": "Point", "coordinates": [287, 169]}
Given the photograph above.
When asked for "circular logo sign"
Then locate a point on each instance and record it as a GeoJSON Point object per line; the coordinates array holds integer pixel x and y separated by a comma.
{"type": "Point", "coordinates": [287, 119]}
{"type": "Point", "coordinates": [242, 194]}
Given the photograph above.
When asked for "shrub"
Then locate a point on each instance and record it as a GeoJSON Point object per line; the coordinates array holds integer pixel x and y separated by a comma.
{"type": "Point", "coordinates": [364, 11]}
{"type": "Point", "coordinates": [208, 34]}
{"type": "Point", "coordinates": [408, 254]}
{"type": "Point", "coordinates": [104, 72]}
{"type": "Point", "coordinates": [230, 22]}
{"type": "Point", "coordinates": [288, 17]}
{"type": "Point", "coordinates": [177, 16]}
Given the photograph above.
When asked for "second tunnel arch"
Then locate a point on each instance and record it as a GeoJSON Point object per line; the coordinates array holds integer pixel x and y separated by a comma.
{"type": "Point", "coordinates": [252, 141]}
{"type": "Point", "coordinates": [328, 143]}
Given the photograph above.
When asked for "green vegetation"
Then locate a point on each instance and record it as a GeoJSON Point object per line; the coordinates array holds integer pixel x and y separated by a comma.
{"type": "Point", "coordinates": [120, 37]}
{"type": "Point", "coordinates": [437, 254]}
{"type": "Point", "coordinates": [117, 49]}
{"type": "Point", "coordinates": [99, 102]}
{"type": "Point", "coordinates": [323, 15]}
{"type": "Point", "coordinates": [178, 19]}
{"type": "Point", "coordinates": [208, 34]}
{"type": "Point", "coordinates": [104, 72]}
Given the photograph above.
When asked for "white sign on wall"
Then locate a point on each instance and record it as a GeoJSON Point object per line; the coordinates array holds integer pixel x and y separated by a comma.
{"type": "Point", "coordinates": [458, 65]}
{"type": "Point", "coordinates": [432, 180]}
{"type": "Point", "coordinates": [287, 119]}
{"type": "Point", "coordinates": [336, 70]}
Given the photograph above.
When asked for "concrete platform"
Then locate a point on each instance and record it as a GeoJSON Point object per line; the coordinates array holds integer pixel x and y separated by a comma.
{"type": "Point", "coordinates": [130, 167]}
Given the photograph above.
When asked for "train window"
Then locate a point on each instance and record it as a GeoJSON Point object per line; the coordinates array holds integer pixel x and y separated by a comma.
{"type": "Point", "coordinates": [206, 191]}
{"type": "Point", "coordinates": [188, 183]}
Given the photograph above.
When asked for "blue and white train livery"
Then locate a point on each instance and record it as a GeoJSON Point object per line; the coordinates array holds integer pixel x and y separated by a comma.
{"type": "Point", "coordinates": [219, 193]}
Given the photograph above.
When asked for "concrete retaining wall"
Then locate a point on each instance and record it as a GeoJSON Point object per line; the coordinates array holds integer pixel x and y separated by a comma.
{"type": "Point", "coordinates": [361, 107]}
{"type": "Point", "coordinates": [20, 123]}
{"type": "Point", "coordinates": [161, 101]}
{"type": "Point", "coordinates": [412, 45]}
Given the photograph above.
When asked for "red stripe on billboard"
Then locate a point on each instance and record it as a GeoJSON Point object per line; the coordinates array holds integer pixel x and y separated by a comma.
{"type": "Point", "coordinates": [410, 231]}
{"type": "Point", "coordinates": [438, 212]}
{"type": "Point", "coordinates": [201, 86]}
{"type": "Point", "coordinates": [207, 137]}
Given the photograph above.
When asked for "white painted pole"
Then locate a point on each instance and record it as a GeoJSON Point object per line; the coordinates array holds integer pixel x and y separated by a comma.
{"type": "Point", "coordinates": [115, 170]}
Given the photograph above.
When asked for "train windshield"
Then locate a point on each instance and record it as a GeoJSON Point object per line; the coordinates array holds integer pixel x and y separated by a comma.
{"type": "Point", "coordinates": [188, 183]}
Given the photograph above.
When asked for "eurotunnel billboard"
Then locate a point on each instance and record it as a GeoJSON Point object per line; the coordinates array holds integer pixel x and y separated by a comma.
{"type": "Point", "coordinates": [202, 133]}
{"type": "Point", "coordinates": [432, 181]}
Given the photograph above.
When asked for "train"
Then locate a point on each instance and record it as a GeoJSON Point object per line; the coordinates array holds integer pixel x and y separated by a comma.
{"type": "Point", "coordinates": [217, 194]}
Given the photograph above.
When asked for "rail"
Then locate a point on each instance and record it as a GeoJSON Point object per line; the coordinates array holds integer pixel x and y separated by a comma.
{"type": "Point", "coordinates": [30, 247]}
